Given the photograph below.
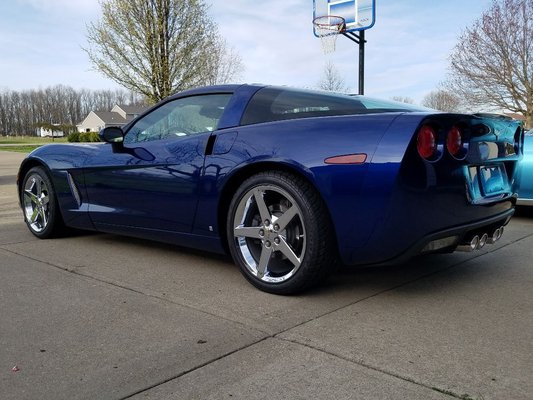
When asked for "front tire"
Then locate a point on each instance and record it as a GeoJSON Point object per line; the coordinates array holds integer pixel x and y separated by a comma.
{"type": "Point", "coordinates": [39, 204]}
{"type": "Point", "coordinates": [279, 233]}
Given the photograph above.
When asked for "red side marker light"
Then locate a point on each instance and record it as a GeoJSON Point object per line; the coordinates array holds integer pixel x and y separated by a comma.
{"type": "Point", "coordinates": [347, 159]}
{"type": "Point", "coordinates": [426, 142]}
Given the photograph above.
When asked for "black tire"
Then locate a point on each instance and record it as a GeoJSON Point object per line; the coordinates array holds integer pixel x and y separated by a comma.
{"type": "Point", "coordinates": [39, 204]}
{"type": "Point", "coordinates": [280, 234]}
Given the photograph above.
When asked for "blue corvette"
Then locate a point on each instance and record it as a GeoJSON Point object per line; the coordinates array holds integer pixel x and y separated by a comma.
{"type": "Point", "coordinates": [525, 193]}
{"type": "Point", "coordinates": [289, 182]}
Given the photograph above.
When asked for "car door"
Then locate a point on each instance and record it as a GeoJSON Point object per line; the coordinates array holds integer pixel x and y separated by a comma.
{"type": "Point", "coordinates": [150, 182]}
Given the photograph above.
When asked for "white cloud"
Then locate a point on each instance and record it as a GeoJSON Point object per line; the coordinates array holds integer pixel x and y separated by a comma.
{"type": "Point", "coordinates": [406, 53]}
{"type": "Point", "coordinates": [274, 38]}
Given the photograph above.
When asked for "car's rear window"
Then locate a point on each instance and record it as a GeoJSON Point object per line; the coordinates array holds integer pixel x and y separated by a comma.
{"type": "Point", "coordinates": [277, 104]}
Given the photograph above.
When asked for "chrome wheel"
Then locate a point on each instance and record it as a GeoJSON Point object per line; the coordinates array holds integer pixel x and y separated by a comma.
{"type": "Point", "coordinates": [279, 233]}
{"type": "Point", "coordinates": [269, 233]}
{"type": "Point", "coordinates": [36, 200]}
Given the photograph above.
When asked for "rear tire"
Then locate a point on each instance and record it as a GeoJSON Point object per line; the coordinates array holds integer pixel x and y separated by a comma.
{"type": "Point", "coordinates": [279, 233]}
{"type": "Point", "coordinates": [39, 204]}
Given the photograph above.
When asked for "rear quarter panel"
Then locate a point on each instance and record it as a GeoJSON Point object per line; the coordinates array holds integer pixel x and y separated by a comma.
{"type": "Point", "coordinates": [302, 146]}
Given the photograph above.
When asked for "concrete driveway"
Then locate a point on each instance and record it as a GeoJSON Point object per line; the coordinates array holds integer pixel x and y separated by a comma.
{"type": "Point", "coordinates": [100, 316]}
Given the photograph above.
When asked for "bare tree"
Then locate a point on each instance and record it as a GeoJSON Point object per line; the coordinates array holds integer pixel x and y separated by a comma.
{"type": "Point", "coordinates": [225, 64]}
{"type": "Point", "coordinates": [402, 99]}
{"type": "Point", "coordinates": [442, 100]}
{"type": "Point", "coordinates": [21, 112]}
{"type": "Point", "coordinates": [332, 79]}
{"type": "Point", "coordinates": [158, 47]}
{"type": "Point", "coordinates": [492, 64]}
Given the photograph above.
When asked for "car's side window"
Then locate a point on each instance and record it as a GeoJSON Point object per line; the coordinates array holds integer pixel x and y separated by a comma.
{"type": "Point", "coordinates": [278, 104]}
{"type": "Point", "coordinates": [180, 117]}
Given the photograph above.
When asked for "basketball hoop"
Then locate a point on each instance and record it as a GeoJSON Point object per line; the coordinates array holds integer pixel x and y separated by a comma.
{"type": "Point", "coordinates": [327, 28]}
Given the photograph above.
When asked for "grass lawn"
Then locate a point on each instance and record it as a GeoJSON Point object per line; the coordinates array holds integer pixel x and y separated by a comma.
{"type": "Point", "coordinates": [30, 139]}
{"type": "Point", "coordinates": [27, 143]}
{"type": "Point", "coordinates": [20, 149]}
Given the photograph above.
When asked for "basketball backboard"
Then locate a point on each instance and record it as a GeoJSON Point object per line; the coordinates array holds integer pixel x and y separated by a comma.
{"type": "Point", "coordinates": [358, 14]}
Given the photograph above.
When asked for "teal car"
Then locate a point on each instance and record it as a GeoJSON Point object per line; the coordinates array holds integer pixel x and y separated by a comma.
{"type": "Point", "coordinates": [525, 192]}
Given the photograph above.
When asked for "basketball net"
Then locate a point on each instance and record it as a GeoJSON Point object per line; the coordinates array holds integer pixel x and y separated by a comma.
{"type": "Point", "coordinates": [328, 28]}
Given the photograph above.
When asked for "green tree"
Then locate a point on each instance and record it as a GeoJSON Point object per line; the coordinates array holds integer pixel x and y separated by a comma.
{"type": "Point", "coordinates": [492, 63]}
{"type": "Point", "coordinates": [159, 47]}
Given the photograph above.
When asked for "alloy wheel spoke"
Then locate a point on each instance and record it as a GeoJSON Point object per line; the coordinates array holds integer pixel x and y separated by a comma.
{"type": "Point", "coordinates": [262, 266]}
{"type": "Point", "coordinates": [261, 205]}
{"type": "Point", "coordinates": [44, 218]}
{"type": "Point", "coordinates": [248, 231]}
{"type": "Point", "coordinates": [288, 252]}
{"type": "Point", "coordinates": [38, 187]}
{"type": "Point", "coordinates": [32, 197]}
{"type": "Point", "coordinates": [44, 199]}
{"type": "Point", "coordinates": [34, 215]}
{"type": "Point", "coordinates": [287, 217]}
{"type": "Point", "coordinates": [32, 186]}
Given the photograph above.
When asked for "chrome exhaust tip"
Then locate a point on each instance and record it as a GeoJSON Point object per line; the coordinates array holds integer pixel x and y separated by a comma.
{"type": "Point", "coordinates": [477, 242]}
{"type": "Point", "coordinates": [482, 241]}
{"type": "Point", "coordinates": [496, 235]}
{"type": "Point", "coordinates": [469, 246]}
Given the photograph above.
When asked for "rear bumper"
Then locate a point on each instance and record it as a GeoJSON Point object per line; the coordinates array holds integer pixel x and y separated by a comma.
{"type": "Point", "coordinates": [414, 219]}
{"type": "Point", "coordinates": [460, 234]}
{"type": "Point", "coordinates": [455, 235]}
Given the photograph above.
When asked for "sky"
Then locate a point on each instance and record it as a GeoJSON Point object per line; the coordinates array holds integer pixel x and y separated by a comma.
{"type": "Point", "coordinates": [407, 50]}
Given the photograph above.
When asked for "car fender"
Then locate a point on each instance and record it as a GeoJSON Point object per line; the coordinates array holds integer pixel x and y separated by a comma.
{"type": "Point", "coordinates": [64, 164]}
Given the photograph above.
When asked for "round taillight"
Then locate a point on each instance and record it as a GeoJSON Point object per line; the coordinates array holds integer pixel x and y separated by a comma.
{"type": "Point", "coordinates": [454, 142]}
{"type": "Point", "coordinates": [426, 142]}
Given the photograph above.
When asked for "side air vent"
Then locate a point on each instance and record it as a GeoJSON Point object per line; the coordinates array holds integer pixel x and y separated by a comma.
{"type": "Point", "coordinates": [74, 189]}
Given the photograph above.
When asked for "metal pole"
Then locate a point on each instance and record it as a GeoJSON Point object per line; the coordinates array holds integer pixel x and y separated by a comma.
{"type": "Point", "coordinates": [362, 62]}
{"type": "Point", "coordinates": [360, 40]}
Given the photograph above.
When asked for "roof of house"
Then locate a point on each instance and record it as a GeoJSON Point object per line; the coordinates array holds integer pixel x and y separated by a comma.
{"type": "Point", "coordinates": [109, 117]}
{"type": "Point", "coordinates": [132, 109]}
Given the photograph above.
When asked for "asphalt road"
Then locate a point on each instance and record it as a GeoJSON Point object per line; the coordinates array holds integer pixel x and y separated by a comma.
{"type": "Point", "coordinates": [100, 316]}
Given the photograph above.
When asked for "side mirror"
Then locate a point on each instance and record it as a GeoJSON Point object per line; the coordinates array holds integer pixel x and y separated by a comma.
{"type": "Point", "coordinates": [115, 136]}
{"type": "Point", "coordinates": [111, 134]}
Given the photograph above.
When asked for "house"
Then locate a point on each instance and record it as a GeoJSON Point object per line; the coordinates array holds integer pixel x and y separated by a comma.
{"type": "Point", "coordinates": [128, 112]}
{"type": "Point", "coordinates": [118, 116]}
{"type": "Point", "coordinates": [49, 131]}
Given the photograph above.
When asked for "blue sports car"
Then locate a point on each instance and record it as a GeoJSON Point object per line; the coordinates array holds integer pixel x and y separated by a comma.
{"type": "Point", "coordinates": [525, 192]}
{"type": "Point", "coordinates": [289, 182]}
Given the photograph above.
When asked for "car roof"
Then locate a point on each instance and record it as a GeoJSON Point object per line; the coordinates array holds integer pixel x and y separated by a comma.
{"type": "Point", "coordinates": [229, 88]}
